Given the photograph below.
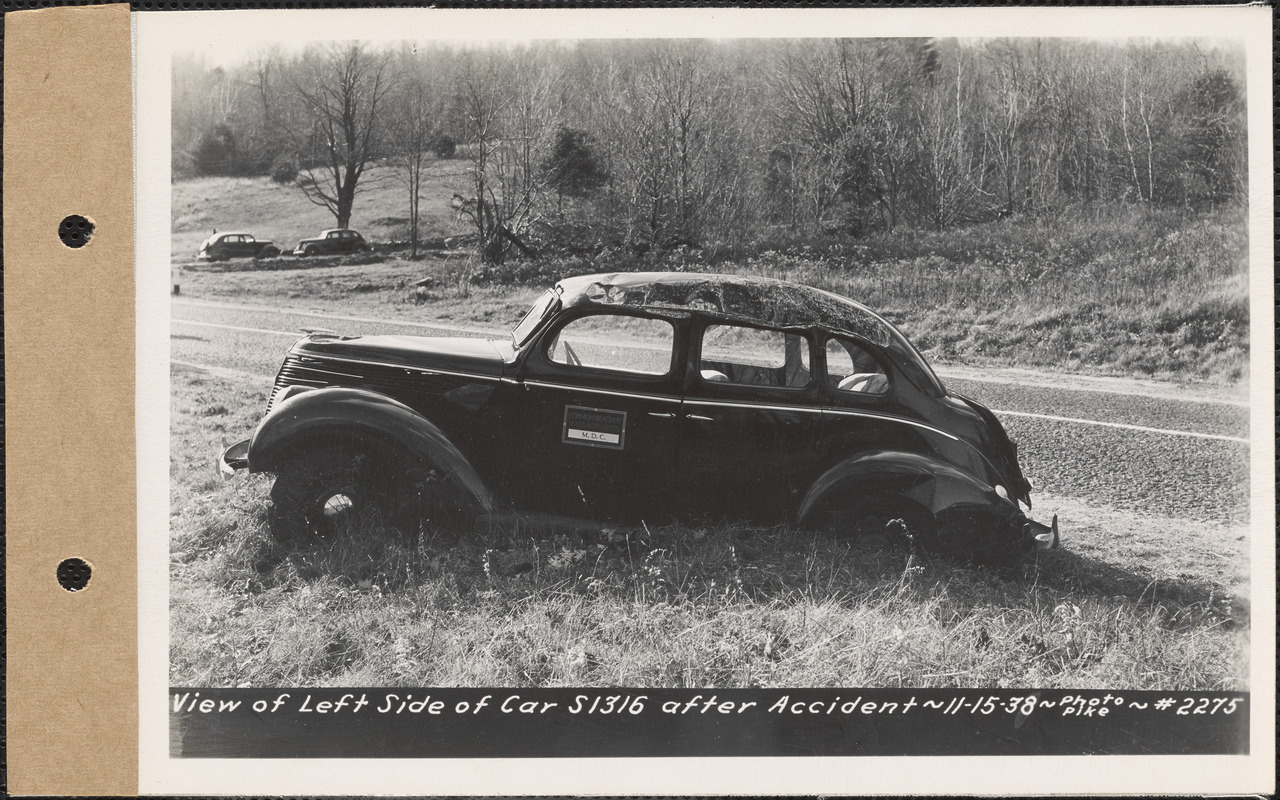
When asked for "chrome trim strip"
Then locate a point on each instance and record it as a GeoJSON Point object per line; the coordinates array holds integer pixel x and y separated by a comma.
{"type": "Point", "coordinates": [663, 397]}
{"type": "Point", "coordinates": [412, 370]}
{"type": "Point", "coordinates": [748, 404]}
{"type": "Point", "coordinates": [892, 418]}
{"type": "Point", "coordinates": [825, 409]}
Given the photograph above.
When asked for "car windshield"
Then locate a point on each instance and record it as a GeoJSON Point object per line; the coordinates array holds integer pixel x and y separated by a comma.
{"type": "Point", "coordinates": [536, 315]}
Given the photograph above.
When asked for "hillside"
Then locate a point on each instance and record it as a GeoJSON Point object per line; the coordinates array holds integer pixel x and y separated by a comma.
{"type": "Point", "coordinates": [1119, 289]}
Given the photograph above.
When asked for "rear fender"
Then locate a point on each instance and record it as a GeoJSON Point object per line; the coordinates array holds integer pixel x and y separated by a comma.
{"type": "Point", "coordinates": [946, 492]}
{"type": "Point", "coordinates": [310, 417]}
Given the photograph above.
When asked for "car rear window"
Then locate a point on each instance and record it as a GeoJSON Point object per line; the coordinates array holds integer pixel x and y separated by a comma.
{"type": "Point", "coordinates": [754, 357]}
{"type": "Point", "coordinates": [852, 369]}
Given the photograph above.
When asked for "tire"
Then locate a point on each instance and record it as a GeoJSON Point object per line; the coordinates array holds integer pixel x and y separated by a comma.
{"type": "Point", "coordinates": [220, 255]}
{"type": "Point", "coordinates": [310, 250]}
{"type": "Point", "coordinates": [342, 490]}
{"type": "Point", "coordinates": [268, 252]}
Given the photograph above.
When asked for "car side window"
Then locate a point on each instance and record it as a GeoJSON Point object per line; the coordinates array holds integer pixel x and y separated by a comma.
{"type": "Point", "coordinates": [615, 342]}
{"type": "Point", "coordinates": [852, 369]}
{"type": "Point", "coordinates": [754, 357]}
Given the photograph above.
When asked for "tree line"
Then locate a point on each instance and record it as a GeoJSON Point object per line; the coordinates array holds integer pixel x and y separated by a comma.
{"type": "Point", "coordinates": [663, 143]}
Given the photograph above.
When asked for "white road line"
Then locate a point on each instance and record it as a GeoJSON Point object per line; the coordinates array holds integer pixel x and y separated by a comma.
{"type": "Point", "coordinates": [441, 326]}
{"type": "Point", "coordinates": [294, 334]}
{"type": "Point", "coordinates": [1142, 428]}
{"type": "Point", "coordinates": [966, 374]}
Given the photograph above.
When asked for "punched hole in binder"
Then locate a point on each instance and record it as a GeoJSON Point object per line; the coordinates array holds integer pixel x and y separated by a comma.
{"type": "Point", "coordinates": [75, 231]}
{"type": "Point", "coordinates": [74, 574]}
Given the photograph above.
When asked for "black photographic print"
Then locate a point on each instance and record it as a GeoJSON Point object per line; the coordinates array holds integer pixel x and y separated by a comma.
{"type": "Point", "coordinates": [725, 400]}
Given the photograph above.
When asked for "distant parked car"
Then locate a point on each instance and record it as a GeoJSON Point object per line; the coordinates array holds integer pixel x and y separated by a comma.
{"type": "Point", "coordinates": [334, 241]}
{"type": "Point", "coordinates": [645, 396]}
{"type": "Point", "coordinates": [235, 244]}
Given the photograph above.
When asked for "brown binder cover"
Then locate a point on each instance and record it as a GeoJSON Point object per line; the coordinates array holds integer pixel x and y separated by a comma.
{"type": "Point", "coordinates": [69, 411]}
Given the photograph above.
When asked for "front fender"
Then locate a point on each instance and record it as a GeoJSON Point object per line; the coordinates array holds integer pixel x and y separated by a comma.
{"type": "Point", "coordinates": [309, 417]}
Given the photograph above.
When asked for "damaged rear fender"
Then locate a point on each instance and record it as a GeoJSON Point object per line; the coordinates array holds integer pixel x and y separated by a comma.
{"type": "Point", "coordinates": [956, 501]}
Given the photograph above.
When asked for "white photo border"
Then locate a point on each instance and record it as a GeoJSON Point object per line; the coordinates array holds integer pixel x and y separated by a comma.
{"type": "Point", "coordinates": [157, 36]}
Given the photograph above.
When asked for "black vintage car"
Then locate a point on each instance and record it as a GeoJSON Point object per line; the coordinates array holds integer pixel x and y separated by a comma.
{"type": "Point", "coordinates": [235, 244]}
{"type": "Point", "coordinates": [335, 241]}
{"type": "Point", "coordinates": [645, 396]}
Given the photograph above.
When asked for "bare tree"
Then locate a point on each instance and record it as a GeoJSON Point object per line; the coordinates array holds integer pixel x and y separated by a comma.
{"type": "Point", "coordinates": [414, 129]}
{"type": "Point", "coordinates": [506, 104]}
{"type": "Point", "coordinates": [341, 89]}
{"type": "Point", "coordinates": [946, 164]}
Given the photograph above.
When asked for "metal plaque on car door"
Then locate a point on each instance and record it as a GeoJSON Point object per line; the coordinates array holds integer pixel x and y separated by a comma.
{"type": "Point", "coordinates": [595, 427]}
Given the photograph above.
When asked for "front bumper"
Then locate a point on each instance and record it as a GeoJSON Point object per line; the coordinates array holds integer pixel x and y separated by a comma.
{"type": "Point", "coordinates": [234, 459]}
{"type": "Point", "coordinates": [1041, 536]}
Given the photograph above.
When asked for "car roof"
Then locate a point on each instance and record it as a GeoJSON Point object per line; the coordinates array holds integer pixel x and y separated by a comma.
{"type": "Point", "coordinates": [328, 231]}
{"type": "Point", "coordinates": [763, 301]}
{"type": "Point", "coordinates": [231, 233]}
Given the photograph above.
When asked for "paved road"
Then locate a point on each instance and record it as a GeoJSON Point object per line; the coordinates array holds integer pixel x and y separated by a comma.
{"type": "Point", "coordinates": [1138, 446]}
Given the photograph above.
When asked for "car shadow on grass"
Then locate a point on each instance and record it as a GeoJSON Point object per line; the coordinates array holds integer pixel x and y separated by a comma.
{"type": "Point", "coordinates": [766, 567]}
{"type": "Point", "coordinates": [1085, 577]}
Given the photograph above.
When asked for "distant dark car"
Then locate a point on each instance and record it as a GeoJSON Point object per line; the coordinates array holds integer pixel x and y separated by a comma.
{"type": "Point", "coordinates": [235, 244]}
{"type": "Point", "coordinates": [645, 397]}
{"type": "Point", "coordinates": [336, 241]}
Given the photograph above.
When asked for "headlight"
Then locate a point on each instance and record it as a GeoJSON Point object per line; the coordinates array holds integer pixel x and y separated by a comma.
{"type": "Point", "coordinates": [1004, 493]}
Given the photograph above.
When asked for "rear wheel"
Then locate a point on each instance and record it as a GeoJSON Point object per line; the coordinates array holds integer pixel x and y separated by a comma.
{"type": "Point", "coordinates": [895, 525]}
{"type": "Point", "coordinates": [219, 255]}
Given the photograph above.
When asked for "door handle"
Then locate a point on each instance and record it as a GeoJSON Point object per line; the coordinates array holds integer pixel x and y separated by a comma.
{"type": "Point", "coordinates": [700, 417]}
{"type": "Point", "coordinates": [662, 414]}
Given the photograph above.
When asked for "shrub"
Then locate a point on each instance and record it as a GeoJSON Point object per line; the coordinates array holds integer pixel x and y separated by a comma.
{"type": "Point", "coordinates": [284, 170]}
{"type": "Point", "coordinates": [444, 146]}
{"type": "Point", "coordinates": [215, 152]}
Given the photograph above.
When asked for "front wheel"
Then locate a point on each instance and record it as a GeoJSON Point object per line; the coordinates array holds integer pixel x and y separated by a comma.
{"type": "Point", "coordinates": [332, 491]}
{"type": "Point", "coordinates": [343, 490]}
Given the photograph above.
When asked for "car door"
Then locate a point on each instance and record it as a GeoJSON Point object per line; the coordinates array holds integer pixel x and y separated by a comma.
{"type": "Point", "coordinates": [752, 414]}
{"type": "Point", "coordinates": [593, 423]}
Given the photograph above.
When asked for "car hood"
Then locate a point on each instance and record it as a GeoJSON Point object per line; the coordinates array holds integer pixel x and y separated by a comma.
{"type": "Point", "coordinates": [480, 357]}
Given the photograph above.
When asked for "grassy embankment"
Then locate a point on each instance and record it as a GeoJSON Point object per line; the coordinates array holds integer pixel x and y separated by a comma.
{"type": "Point", "coordinates": [1116, 290]}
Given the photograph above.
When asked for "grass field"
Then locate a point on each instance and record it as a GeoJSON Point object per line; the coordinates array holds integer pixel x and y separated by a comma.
{"type": "Point", "coordinates": [704, 605]}
{"type": "Point", "coordinates": [283, 214]}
